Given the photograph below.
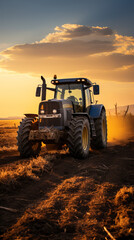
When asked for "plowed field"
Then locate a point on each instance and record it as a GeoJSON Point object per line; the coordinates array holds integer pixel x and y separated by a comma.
{"type": "Point", "coordinates": [58, 197]}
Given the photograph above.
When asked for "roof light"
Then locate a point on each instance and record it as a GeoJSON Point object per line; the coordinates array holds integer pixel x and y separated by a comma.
{"type": "Point", "coordinates": [56, 81]}
{"type": "Point", "coordinates": [52, 81]}
{"type": "Point", "coordinates": [78, 80]}
{"type": "Point", "coordinates": [83, 80]}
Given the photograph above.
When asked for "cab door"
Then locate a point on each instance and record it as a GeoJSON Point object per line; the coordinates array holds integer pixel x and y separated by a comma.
{"type": "Point", "coordinates": [87, 99]}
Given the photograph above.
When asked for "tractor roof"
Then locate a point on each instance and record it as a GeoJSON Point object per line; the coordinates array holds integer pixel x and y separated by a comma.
{"type": "Point", "coordinates": [85, 81]}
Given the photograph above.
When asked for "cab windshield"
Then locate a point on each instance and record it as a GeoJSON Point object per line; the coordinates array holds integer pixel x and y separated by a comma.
{"type": "Point", "coordinates": [72, 92]}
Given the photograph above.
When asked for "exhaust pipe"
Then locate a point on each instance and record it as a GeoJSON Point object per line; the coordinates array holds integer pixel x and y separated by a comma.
{"type": "Point", "coordinates": [44, 86]}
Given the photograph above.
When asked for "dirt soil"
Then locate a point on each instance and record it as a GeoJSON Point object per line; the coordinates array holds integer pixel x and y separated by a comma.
{"type": "Point", "coordinates": [58, 197]}
{"type": "Point", "coordinates": [73, 199]}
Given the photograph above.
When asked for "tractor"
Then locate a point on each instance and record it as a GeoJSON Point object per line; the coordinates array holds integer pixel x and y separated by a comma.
{"type": "Point", "coordinates": [70, 119]}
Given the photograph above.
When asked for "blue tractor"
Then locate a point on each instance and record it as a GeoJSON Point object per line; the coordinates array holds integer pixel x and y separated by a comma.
{"type": "Point", "coordinates": [71, 118]}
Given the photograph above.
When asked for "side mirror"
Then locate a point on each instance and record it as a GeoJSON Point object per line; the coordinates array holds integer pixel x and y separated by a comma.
{"type": "Point", "coordinates": [96, 89]}
{"type": "Point", "coordinates": [38, 91]}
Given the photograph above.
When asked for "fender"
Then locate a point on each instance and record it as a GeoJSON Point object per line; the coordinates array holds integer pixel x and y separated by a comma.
{"type": "Point", "coordinates": [82, 114]}
{"type": "Point", "coordinates": [95, 110]}
{"type": "Point", "coordinates": [31, 115]}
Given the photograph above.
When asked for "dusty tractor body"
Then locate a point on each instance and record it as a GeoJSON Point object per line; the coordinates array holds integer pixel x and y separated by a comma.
{"type": "Point", "coordinates": [71, 118]}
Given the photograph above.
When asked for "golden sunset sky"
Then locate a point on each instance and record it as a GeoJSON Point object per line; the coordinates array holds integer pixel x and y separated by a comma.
{"type": "Point", "coordinates": [92, 39]}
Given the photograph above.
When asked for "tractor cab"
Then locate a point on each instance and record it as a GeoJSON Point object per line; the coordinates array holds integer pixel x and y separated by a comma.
{"type": "Point", "coordinates": [76, 90]}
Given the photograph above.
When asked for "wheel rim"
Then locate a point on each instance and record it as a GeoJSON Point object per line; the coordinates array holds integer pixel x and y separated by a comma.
{"type": "Point", "coordinates": [85, 137]}
{"type": "Point", "coordinates": [104, 129]}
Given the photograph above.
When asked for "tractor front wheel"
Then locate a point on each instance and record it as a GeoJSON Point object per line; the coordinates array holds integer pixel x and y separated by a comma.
{"type": "Point", "coordinates": [79, 137]}
{"type": "Point", "coordinates": [26, 147]}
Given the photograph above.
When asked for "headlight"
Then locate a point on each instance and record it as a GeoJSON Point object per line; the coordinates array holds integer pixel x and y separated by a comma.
{"type": "Point", "coordinates": [42, 111]}
{"type": "Point", "coordinates": [54, 111]}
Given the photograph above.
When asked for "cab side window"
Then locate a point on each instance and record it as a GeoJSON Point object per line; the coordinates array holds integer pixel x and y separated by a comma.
{"type": "Point", "coordinates": [87, 97]}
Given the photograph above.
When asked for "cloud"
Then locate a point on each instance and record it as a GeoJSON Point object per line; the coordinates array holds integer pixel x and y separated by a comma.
{"type": "Point", "coordinates": [124, 44]}
{"type": "Point", "coordinates": [96, 52]}
{"type": "Point", "coordinates": [72, 48]}
{"type": "Point", "coordinates": [70, 31]}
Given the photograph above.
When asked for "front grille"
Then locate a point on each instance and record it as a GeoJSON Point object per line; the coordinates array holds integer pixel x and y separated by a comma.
{"type": "Point", "coordinates": [51, 122]}
{"type": "Point", "coordinates": [48, 107]}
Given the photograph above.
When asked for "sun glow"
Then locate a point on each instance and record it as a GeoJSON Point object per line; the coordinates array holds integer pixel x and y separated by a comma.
{"type": "Point", "coordinates": [72, 50]}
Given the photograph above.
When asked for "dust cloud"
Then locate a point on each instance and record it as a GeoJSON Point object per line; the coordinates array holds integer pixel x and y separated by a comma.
{"type": "Point", "coordinates": [120, 129]}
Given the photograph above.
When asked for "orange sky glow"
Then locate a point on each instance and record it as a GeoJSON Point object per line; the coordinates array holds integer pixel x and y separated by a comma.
{"type": "Point", "coordinates": [71, 50]}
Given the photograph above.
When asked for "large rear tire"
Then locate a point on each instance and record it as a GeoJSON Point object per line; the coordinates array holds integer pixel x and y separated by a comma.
{"type": "Point", "coordinates": [79, 137]}
{"type": "Point", "coordinates": [100, 141]}
{"type": "Point", "coordinates": [26, 147]}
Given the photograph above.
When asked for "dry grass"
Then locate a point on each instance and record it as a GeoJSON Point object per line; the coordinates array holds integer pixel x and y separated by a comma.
{"type": "Point", "coordinates": [8, 133]}
{"type": "Point", "coordinates": [79, 208]}
{"type": "Point", "coordinates": [124, 202]}
{"type": "Point", "coordinates": [8, 149]}
{"type": "Point", "coordinates": [27, 169]}
{"type": "Point", "coordinates": [66, 211]}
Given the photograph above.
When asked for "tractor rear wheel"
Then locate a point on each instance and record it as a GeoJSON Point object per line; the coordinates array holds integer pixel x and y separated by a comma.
{"type": "Point", "coordinates": [79, 137]}
{"type": "Point", "coordinates": [100, 141]}
{"type": "Point", "coordinates": [26, 147]}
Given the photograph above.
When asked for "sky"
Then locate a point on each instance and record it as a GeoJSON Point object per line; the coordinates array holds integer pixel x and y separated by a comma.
{"type": "Point", "coordinates": [89, 38]}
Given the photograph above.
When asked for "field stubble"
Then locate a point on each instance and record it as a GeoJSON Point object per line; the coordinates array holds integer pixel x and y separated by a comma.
{"type": "Point", "coordinates": [57, 197]}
